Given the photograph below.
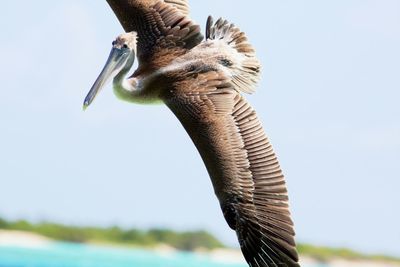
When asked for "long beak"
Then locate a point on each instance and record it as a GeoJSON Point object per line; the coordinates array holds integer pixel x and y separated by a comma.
{"type": "Point", "coordinates": [115, 63]}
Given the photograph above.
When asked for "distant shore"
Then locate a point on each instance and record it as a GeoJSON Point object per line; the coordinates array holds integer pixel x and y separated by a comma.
{"type": "Point", "coordinates": [22, 239]}
{"type": "Point", "coordinates": [31, 240]}
{"type": "Point", "coordinates": [235, 256]}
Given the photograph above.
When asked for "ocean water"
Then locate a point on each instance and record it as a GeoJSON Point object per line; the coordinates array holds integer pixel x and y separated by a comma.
{"type": "Point", "coordinates": [72, 255]}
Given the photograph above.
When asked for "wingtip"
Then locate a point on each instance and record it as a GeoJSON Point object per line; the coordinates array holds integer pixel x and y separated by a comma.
{"type": "Point", "coordinates": [210, 22]}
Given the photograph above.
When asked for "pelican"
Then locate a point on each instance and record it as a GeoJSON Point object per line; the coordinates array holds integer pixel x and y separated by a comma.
{"type": "Point", "coordinates": [202, 80]}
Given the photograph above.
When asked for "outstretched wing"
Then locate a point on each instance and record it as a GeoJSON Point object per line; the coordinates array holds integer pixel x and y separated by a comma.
{"type": "Point", "coordinates": [243, 167]}
{"type": "Point", "coordinates": [164, 32]}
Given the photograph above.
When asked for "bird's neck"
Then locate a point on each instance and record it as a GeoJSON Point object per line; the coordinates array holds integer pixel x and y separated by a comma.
{"type": "Point", "coordinates": [133, 90]}
{"type": "Point", "coordinates": [127, 89]}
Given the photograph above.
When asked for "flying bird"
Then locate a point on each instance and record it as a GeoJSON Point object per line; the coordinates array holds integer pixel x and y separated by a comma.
{"type": "Point", "coordinates": [202, 81]}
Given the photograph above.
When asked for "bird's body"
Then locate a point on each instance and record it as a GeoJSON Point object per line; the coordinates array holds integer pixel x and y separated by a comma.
{"type": "Point", "coordinates": [201, 82]}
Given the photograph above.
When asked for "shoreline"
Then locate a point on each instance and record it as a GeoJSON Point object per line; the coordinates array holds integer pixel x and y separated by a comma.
{"type": "Point", "coordinates": [223, 255]}
{"type": "Point", "coordinates": [235, 256]}
{"type": "Point", "coordinates": [23, 239]}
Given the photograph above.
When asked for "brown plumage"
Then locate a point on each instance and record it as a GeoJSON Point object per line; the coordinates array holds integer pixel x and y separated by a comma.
{"type": "Point", "coordinates": [201, 82]}
{"type": "Point", "coordinates": [181, 5]}
{"type": "Point", "coordinates": [163, 32]}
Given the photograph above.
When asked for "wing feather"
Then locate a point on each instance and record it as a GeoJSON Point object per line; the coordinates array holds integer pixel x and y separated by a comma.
{"type": "Point", "coordinates": [181, 5]}
{"type": "Point", "coordinates": [243, 167]}
{"type": "Point", "coordinates": [164, 31]}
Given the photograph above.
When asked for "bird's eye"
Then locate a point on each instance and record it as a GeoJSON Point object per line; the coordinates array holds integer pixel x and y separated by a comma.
{"type": "Point", "coordinates": [114, 43]}
{"type": "Point", "coordinates": [125, 46]}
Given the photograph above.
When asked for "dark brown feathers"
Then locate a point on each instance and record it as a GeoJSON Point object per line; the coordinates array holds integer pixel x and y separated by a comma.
{"type": "Point", "coordinates": [202, 85]}
{"type": "Point", "coordinates": [159, 26]}
{"type": "Point", "coordinates": [242, 165]}
{"type": "Point", "coordinates": [181, 5]}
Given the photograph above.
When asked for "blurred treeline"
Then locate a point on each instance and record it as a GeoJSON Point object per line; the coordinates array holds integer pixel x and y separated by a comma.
{"type": "Point", "coordinates": [187, 241]}
{"type": "Point", "coordinates": [325, 254]}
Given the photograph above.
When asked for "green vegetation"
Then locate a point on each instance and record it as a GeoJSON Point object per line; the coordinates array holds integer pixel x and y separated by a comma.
{"type": "Point", "coordinates": [324, 254]}
{"type": "Point", "coordinates": [187, 241]}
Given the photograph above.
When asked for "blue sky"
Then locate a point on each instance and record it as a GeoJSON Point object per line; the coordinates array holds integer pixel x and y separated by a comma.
{"type": "Point", "coordinates": [328, 100]}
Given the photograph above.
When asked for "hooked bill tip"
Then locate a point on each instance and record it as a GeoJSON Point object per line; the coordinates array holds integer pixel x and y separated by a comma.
{"type": "Point", "coordinates": [85, 105]}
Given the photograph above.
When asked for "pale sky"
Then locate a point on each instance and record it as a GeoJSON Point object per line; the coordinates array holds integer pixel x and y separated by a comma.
{"type": "Point", "coordinates": [329, 101]}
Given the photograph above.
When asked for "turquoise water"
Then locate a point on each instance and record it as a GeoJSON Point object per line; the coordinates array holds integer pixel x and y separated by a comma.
{"type": "Point", "coordinates": [71, 255]}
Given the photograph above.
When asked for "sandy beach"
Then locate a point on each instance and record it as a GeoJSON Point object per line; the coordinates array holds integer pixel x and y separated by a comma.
{"type": "Point", "coordinates": [22, 239]}
{"type": "Point", "coordinates": [360, 263]}
{"type": "Point", "coordinates": [235, 256]}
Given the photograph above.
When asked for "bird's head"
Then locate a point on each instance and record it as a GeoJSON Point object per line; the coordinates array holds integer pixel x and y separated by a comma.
{"type": "Point", "coordinates": [120, 61]}
{"type": "Point", "coordinates": [126, 41]}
